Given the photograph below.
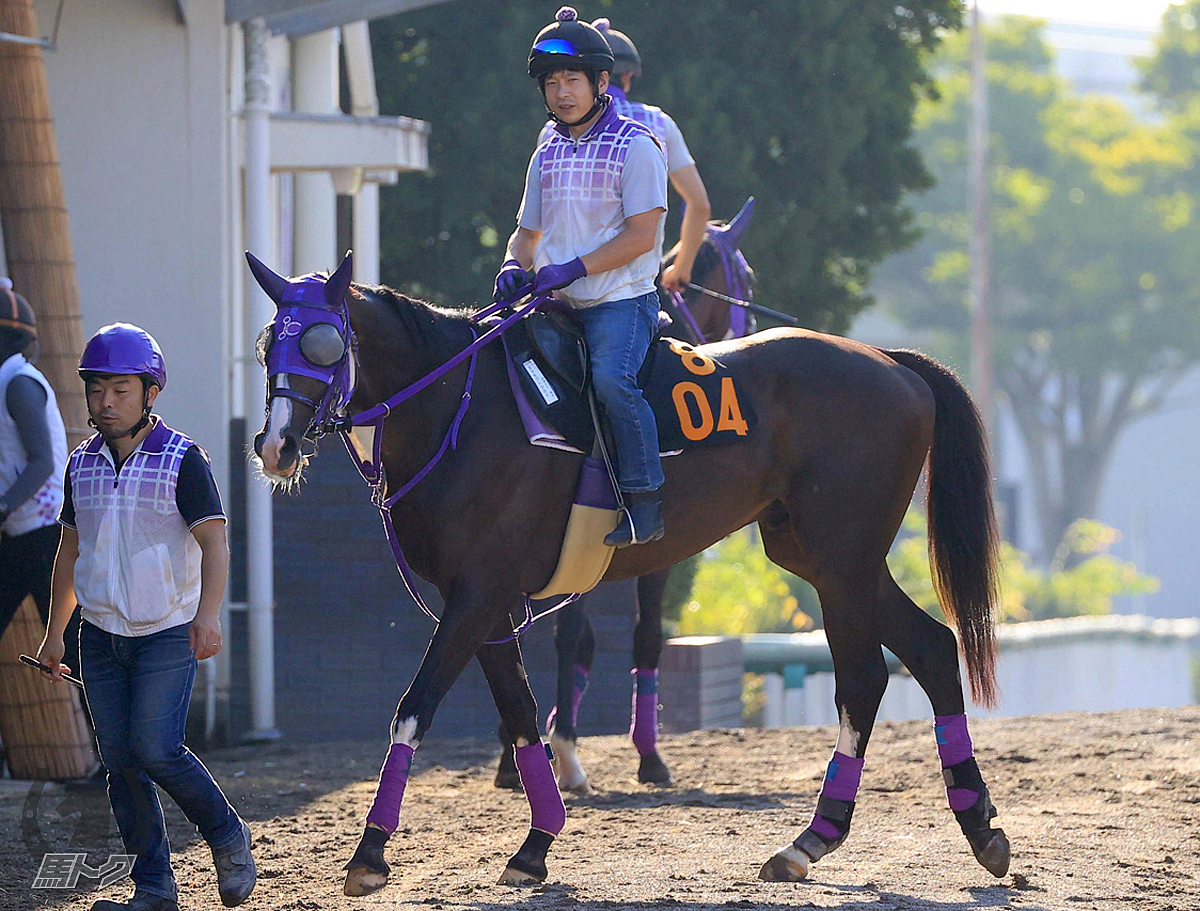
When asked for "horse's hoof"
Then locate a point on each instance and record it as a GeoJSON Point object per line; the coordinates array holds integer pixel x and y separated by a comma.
{"type": "Point", "coordinates": [572, 779]}
{"type": "Point", "coordinates": [361, 881]}
{"type": "Point", "coordinates": [514, 877]}
{"type": "Point", "coordinates": [787, 866]}
{"type": "Point", "coordinates": [652, 770]}
{"type": "Point", "coordinates": [528, 865]}
{"type": "Point", "coordinates": [367, 871]}
{"type": "Point", "coordinates": [994, 854]}
{"type": "Point", "coordinates": [508, 780]}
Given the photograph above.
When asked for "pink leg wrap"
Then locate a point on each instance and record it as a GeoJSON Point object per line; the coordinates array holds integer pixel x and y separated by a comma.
{"type": "Point", "coordinates": [546, 810]}
{"type": "Point", "coordinates": [954, 746]}
{"type": "Point", "coordinates": [385, 811]}
{"type": "Point", "coordinates": [644, 729]}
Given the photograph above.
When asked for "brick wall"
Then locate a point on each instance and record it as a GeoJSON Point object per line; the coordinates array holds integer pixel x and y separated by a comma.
{"type": "Point", "coordinates": [348, 639]}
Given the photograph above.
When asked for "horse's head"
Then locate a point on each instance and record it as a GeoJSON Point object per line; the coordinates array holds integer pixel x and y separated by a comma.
{"type": "Point", "coordinates": [720, 269]}
{"type": "Point", "coordinates": [307, 350]}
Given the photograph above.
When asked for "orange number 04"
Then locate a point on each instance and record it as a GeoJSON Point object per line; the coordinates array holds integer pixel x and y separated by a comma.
{"type": "Point", "coordinates": [729, 412]}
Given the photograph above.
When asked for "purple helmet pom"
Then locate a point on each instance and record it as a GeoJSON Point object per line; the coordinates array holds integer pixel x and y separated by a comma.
{"type": "Point", "coordinates": [602, 24]}
{"type": "Point", "coordinates": [566, 14]}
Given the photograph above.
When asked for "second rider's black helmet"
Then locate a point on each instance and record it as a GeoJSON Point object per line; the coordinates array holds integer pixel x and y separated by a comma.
{"type": "Point", "coordinates": [568, 44]}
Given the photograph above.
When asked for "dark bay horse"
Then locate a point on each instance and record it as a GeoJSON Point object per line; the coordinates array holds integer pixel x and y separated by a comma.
{"type": "Point", "coordinates": [843, 432]}
{"type": "Point", "coordinates": [701, 314]}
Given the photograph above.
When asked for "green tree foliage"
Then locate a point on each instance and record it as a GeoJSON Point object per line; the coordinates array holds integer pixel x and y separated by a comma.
{"type": "Point", "coordinates": [737, 590]}
{"type": "Point", "coordinates": [1082, 578]}
{"type": "Point", "coordinates": [1095, 284]}
{"type": "Point", "coordinates": [806, 105]}
{"type": "Point", "coordinates": [1172, 74]}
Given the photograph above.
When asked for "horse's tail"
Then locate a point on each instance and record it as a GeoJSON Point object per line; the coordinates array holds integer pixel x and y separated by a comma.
{"type": "Point", "coordinates": [963, 540]}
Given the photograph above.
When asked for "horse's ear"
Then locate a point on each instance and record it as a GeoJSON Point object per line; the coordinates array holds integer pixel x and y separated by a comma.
{"type": "Point", "coordinates": [338, 284]}
{"type": "Point", "coordinates": [739, 224]}
{"type": "Point", "coordinates": [270, 282]}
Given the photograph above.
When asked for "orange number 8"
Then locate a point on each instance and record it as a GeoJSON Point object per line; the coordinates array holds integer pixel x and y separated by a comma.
{"type": "Point", "coordinates": [693, 360]}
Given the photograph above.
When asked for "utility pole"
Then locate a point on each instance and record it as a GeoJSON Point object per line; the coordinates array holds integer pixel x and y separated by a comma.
{"type": "Point", "coordinates": [979, 247]}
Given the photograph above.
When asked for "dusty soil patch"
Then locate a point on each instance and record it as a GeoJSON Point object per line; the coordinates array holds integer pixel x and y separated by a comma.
{"type": "Point", "coordinates": [1103, 812]}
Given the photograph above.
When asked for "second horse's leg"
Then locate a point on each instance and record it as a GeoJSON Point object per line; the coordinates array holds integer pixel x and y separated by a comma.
{"type": "Point", "coordinates": [575, 643]}
{"type": "Point", "coordinates": [647, 649]}
{"type": "Point", "coordinates": [505, 674]}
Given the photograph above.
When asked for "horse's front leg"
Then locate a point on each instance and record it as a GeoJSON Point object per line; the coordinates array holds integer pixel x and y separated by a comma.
{"type": "Point", "coordinates": [647, 649]}
{"type": "Point", "coordinates": [471, 612]}
{"type": "Point", "coordinates": [505, 674]}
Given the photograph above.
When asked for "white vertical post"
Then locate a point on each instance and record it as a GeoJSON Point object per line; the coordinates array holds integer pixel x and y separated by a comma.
{"type": "Point", "coordinates": [258, 309]}
{"type": "Point", "coordinates": [315, 91]}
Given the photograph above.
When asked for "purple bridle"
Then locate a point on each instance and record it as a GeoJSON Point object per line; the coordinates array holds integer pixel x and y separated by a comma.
{"type": "Point", "coordinates": [726, 239]}
{"type": "Point", "coordinates": [303, 304]}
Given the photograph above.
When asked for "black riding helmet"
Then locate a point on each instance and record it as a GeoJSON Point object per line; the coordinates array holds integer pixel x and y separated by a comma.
{"type": "Point", "coordinates": [625, 52]}
{"type": "Point", "coordinates": [568, 44]}
{"type": "Point", "coordinates": [18, 325]}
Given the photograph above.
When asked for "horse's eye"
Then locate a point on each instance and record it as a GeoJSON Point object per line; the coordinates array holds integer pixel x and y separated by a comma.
{"type": "Point", "coordinates": [322, 344]}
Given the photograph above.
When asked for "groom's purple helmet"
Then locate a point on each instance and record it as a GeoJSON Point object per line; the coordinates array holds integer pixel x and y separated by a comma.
{"type": "Point", "coordinates": [122, 349]}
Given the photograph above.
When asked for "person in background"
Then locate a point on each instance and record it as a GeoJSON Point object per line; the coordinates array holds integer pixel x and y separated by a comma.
{"type": "Point", "coordinates": [144, 554]}
{"type": "Point", "coordinates": [33, 456]}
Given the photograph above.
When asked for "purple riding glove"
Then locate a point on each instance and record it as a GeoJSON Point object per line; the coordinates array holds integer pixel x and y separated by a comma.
{"type": "Point", "coordinates": [551, 278]}
{"type": "Point", "coordinates": [509, 280]}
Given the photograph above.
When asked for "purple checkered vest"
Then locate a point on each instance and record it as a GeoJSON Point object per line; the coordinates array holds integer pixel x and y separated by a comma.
{"type": "Point", "coordinates": [138, 570]}
{"type": "Point", "coordinates": [582, 207]}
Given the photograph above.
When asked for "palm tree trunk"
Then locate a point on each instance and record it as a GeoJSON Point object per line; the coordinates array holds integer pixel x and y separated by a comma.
{"type": "Point", "coordinates": [33, 212]}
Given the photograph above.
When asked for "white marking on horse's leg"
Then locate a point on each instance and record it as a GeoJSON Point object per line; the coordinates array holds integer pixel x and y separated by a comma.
{"type": "Point", "coordinates": [405, 732]}
{"type": "Point", "coordinates": [848, 738]}
{"type": "Point", "coordinates": [571, 776]}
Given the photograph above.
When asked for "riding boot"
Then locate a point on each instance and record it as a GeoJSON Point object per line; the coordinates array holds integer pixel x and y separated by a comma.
{"type": "Point", "coordinates": [641, 520]}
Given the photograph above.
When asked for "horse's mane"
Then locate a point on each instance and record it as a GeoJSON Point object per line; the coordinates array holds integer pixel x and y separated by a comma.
{"type": "Point", "coordinates": [430, 325]}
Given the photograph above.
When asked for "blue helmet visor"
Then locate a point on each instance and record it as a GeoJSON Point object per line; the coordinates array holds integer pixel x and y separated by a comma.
{"type": "Point", "coordinates": [556, 46]}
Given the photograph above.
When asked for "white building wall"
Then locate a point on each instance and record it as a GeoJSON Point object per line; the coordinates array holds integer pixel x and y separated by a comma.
{"type": "Point", "coordinates": [137, 99]}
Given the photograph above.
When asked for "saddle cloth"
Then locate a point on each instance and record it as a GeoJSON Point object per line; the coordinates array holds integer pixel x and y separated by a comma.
{"type": "Point", "coordinates": [694, 397]}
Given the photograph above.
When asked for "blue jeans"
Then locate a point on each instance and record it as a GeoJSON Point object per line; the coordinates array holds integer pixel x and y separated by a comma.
{"type": "Point", "coordinates": [138, 690]}
{"type": "Point", "coordinates": [618, 335]}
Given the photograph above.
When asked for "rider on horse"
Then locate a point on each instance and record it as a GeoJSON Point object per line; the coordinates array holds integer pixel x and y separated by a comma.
{"type": "Point", "coordinates": [591, 224]}
{"type": "Point", "coordinates": [681, 166]}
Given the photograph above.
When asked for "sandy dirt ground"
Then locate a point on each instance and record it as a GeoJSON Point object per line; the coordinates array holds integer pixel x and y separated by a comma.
{"type": "Point", "coordinates": [1103, 812]}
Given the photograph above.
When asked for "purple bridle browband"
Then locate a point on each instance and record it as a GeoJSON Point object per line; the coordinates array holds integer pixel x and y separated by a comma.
{"type": "Point", "coordinates": [329, 417]}
{"type": "Point", "coordinates": [736, 280]}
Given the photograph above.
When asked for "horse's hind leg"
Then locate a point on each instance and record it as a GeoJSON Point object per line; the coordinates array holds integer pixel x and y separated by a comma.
{"type": "Point", "coordinates": [647, 649]}
{"type": "Point", "coordinates": [930, 652]}
{"type": "Point", "coordinates": [575, 644]}
{"type": "Point", "coordinates": [505, 674]}
{"type": "Point", "coordinates": [860, 673]}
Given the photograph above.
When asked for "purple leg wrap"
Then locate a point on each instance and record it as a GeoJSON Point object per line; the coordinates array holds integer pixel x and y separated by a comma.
{"type": "Point", "coordinates": [954, 746]}
{"type": "Point", "coordinates": [842, 778]}
{"type": "Point", "coordinates": [385, 811]}
{"type": "Point", "coordinates": [581, 682]}
{"type": "Point", "coordinates": [546, 810]}
{"type": "Point", "coordinates": [644, 730]}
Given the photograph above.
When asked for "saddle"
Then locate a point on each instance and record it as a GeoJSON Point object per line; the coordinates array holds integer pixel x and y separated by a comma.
{"type": "Point", "coordinates": [693, 395]}
{"type": "Point", "coordinates": [695, 402]}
